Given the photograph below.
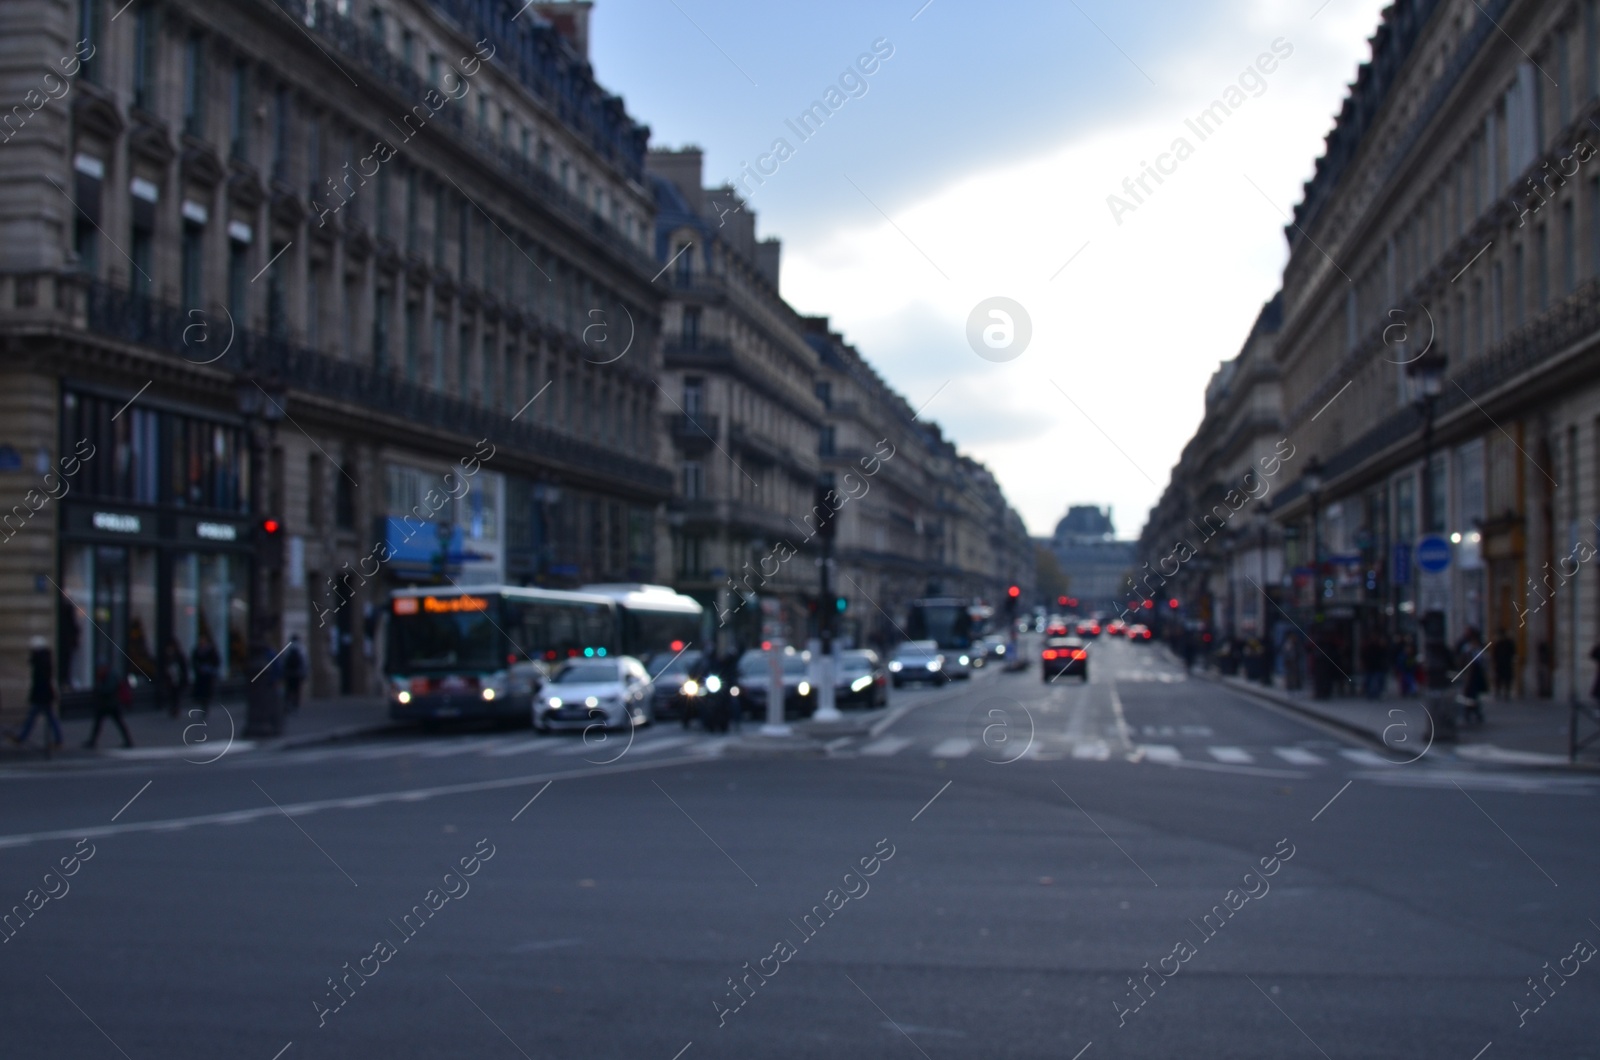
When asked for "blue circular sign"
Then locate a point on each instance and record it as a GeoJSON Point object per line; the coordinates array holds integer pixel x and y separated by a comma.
{"type": "Point", "coordinates": [1433, 554]}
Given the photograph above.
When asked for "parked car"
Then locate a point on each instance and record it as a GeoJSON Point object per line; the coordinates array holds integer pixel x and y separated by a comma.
{"type": "Point", "coordinates": [799, 698]}
{"type": "Point", "coordinates": [674, 684]}
{"type": "Point", "coordinates": [1064, 655]}
{"type": "Point", "coordinates": [918, 660]}
{"type": "Point", "coordinates": [861, 680]}
{"type": "Point", "coordinates": [613, 692]}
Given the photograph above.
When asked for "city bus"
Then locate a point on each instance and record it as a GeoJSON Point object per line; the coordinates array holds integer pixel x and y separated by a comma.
{"type": "Point", "coordinates": [950, 621]}
{"type": "Point", "coordinates": [482, 652]}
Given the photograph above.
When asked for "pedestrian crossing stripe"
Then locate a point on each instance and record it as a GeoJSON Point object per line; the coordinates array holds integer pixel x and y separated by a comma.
{"type": "Point", "coordinates": [1235, 756]}
{"type": "Point", "coordinates": [958, 747]}
{"type": "Point", "coordinates": [885, 746]}
{"type": "Point", "coordinates": [1298, 756]}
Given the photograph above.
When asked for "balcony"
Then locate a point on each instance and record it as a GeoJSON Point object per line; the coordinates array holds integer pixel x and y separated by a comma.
{"type": "Point", "coordinates": [694, 432]}
{"type": "Point", "coordinates": [117, 315]}
{"type": "Point", "coordinates": [701, 353]}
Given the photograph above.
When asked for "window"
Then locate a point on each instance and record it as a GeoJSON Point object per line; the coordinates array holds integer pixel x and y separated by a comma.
{"type": "Point", "coordinates": [277, 310]}
{"type": "Point", "coordinates": [1497, 292]}
{"type": "Point", "coordinates": [89, 30]}
{"type": "Point", "coordinates": [435, 75]}
{"type": "Point", "coordinates": [1569, 249]}
{"type": "Point", "coordinates": [315, 514]}
{"type": "Point", "coordinates": [408, 49]}
{"type": "Point", "coordinates": [413, 340]}
{"type": "Point", "coordinates": [280, 134]}
{"type": "Point", "coordinates": [825, 393]}
{"type": "Point", "coordinates": [238, 278]}
{"type": "Point", "coordinates": [344, 502]}
{"type": "Point", "coordinates": [379, 30]}
{"type": "Point", "coordinates": [315, 276]}
{"type": "Point", "coordinates": [411, 211]}
{"type": "Point", "coordinates": [194, 88]}
{"type": "Point", "coordinates": [144, 57]}
{"type": "Point", "coordinates": [439, 325]}
{"type": "Point", "coordinates": [348, 317]}
{"type": "Point", "coordinates": [825, 445]}
{"type": "Point", "coordinates": [694, 480]}
{"type": "Point", "coordinates": [1519, 298]}
{"type": "Point", "coordinates": [463, 217]}
{"type": "Point", "coordinates": [544, 156]}
{"type": "Point", "coordinates": [438, 227]}
{"type": "Point", "coordinates": [691, 327]}
{"type": "Point", "coordinates": [142, 208]}
{"type": "Point", "coordinates": [694, 395]}
{"type": "Point", "coordinates": [1541, 250]}
{"type": "Point", "coordinates": [313, 157]}
{"type": "Point", "coordinates": [192, 254]}
{"type": "Point", "coordinates": [381, 204]}
{"type": "Point", "coordinates": [380, 330]}
{"type": "Point", "coordinates": [487, 384]}
{"type": "Point", "coordinates": [463, 361]}
{"type": "Point", "coordinates": [239, 112]}
{"type": "Point", "coordinates": [685, 270]}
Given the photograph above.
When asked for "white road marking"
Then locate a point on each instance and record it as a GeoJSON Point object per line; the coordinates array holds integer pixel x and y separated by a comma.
{"type": "Point", "coordinates": [662, 744]}
{"type": "Point", "coordinates": [885, 746]}
{"type": "Point", "coordinates": [536, 745]}
{"type": "Point", "coordinates": [1295, 756]}
{"type": "Point", "coordinates": [1362, 757]}
{"type": "Point", "coordinates": [955, 747]}
{"type": "Point", "coordinates": [1097, 750]}
{"type": "Point", "coordinates": [1236, 756]}
{"type": "Point", "coordinates": [1161, 752]}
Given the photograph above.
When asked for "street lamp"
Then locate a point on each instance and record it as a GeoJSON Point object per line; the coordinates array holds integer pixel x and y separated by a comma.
{"type": "Point", "coordinates": [1311, 480]}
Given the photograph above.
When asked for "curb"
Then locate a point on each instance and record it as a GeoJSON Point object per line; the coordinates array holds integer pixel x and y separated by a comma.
{"type": "Point", "coordinates": [1368, 736]}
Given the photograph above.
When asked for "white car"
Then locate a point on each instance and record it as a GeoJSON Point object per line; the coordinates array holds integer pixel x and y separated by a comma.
{"type": "Point", "coordinates": [917, 660]}
{"type": "Point", "coordinates": [613, 693]}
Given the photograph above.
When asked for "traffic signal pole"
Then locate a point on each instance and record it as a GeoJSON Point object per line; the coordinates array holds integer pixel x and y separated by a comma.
{"type": "Point", "coordinates": [824, 667]}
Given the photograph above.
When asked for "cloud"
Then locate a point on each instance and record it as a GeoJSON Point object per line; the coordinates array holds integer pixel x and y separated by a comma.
{"type": "Point", "coordinates": [1134, 327]}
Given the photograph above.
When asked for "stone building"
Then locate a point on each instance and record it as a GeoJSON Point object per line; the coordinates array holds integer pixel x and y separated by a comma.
{"type": "Point", "coordinates": [293, 262]}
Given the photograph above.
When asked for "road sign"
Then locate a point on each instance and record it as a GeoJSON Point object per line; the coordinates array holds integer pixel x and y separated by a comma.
{"type": "Point", "coordinates": [1433, 554]}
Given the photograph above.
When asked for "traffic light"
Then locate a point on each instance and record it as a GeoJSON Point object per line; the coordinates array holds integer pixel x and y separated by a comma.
{"type": "Point", "coordinates": [269, 542]}
{"type": "Point", "coordinates": [1014, 592]}
{"type": "Point", "coordinates": [1173, 603]}
{"type": "Point", "coordinates": [840, 604]}
{"type": "Point", "coordinates": [1061, 601]}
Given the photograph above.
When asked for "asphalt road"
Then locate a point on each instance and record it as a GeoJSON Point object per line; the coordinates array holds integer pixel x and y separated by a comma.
{"type": "Point", "coordinates": [1035, 851]}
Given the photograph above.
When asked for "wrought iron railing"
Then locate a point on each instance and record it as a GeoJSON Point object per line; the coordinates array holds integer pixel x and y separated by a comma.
{"type": "Point", "coordinates": [116, 314]}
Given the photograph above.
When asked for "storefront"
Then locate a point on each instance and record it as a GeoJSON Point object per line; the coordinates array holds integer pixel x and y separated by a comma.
{"type": "Point", "coordinates": [156, 543]}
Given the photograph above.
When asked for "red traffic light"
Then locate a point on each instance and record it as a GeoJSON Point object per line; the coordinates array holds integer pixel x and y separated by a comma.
{"type": "Point", "coordinates": [1014, 592]}
{"type": "Point", "coordinates": [1173, 603]}
{"type": "Point", "coordinates": [1061, 601]}
{"type": "Point", "coordinates": [271, 526]}
{"type": "Point", "coordinates": [1148, 605]}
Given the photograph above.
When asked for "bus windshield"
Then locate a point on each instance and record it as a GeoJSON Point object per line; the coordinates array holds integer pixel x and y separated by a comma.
{"type": "Point", "coordinates": [946, 622]}
{"type": "Point", "coordinates": [463, 641]}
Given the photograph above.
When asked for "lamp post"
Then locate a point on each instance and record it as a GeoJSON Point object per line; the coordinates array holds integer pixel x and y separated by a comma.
{"type": "Point", "coordinates": [1311, 477]}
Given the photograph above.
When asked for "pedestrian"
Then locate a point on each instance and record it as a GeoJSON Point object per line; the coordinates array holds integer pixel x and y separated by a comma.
{"type": "Point", "coordinates": [1468, 652]}
{"type": "Point", "coordinates": [1375, 665]}
{"type": "Point", "coordinates": [1405, 666]}
{"type": "Point", "coordinates": [1505, 663]}
{"type": "Point", "coordinates": [174, 675]}
{"type": "Point", "coordinates": [294, 673]}
{"type": "Point", "coordinates": [112, 695]}
{"type": "Point", "coordinates": [41, 692]}
{"type": "Point", "coordinates": [204, 664]}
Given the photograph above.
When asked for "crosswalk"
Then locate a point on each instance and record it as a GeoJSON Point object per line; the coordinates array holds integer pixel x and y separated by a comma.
{"type": "Point", "coordinates": [1045, 748]}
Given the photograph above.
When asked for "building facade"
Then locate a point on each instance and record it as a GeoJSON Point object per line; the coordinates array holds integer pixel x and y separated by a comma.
{"type": "Point", "coordinates": [300, 302]}
{"type": "Point", "coordinates": [1095, 563]}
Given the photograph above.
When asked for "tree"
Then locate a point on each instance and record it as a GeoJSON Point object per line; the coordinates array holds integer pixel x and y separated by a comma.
{"type": "Point", "coordinates": [1050, 581]}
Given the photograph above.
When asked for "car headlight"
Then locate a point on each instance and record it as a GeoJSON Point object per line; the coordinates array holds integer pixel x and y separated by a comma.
{"type": "Point", "coordinates": [965, 661]}
{"type": "Point", "coordinates": [554, 702]}
{"type": "Point", "coordinates": [691, 687]}
{"type": "Point", "coordinates": [592, 701]}
{"type": "Point", "coordinates": [732, 691]}
{"type": "Point", "coordinates": [934, 665]}
{"type": "Point", "coordinates": [896, 666]}
{"type": "Point", "coordinates": [404, 697]}
{"type": "Point", "coordinates": [861, 683]}
{"type": "Point", "coordinates": [714, 684]}
{"type": "Point", "coordinates": [805, 688]}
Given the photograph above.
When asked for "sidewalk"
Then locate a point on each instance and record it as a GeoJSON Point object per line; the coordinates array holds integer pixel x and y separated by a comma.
{"type": "Point", "coordinates": [1525, 732]}
{"type": "Point", "coordinates": [157, 735]}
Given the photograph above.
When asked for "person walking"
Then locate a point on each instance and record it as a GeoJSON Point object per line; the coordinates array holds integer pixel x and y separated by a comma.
{"type": "Point", "coordinates": [41, 692]}
{"type": "Point", "coordinates": [204, 664]}
{"type": "Point", "coordinates": [1375, 666]}
{"type": "Point", "coordinates": [174, 675]}
{"type": "Point", "coordinates": [294, 674]}
{"type": "Point", "coordinates": [1468, 652]}
{"type": "Point", "coordinates": [1505, 663]}
{"type": "Point", "coordinates": [1405, 666]}
{"type": "Point", "coordinates": [112, 695]}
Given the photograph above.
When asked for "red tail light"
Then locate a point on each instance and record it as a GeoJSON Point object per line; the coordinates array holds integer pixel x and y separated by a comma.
{"type": "Point", "coordinates": [1080, 654]}
{"type": "Point", "coordinates": [1049, 653]}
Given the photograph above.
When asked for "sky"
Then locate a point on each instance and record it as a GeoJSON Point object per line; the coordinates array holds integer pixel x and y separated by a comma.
{"type": "Point", "coordinates": [976, 162]}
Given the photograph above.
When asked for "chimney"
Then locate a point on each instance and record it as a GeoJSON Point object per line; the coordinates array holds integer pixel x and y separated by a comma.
{"type": "Point", "coordinates": [683, 168]}
{"type": "Point", "coordinates": [569, 18]}
{"type": "Point", "coordinates": [768, 255]}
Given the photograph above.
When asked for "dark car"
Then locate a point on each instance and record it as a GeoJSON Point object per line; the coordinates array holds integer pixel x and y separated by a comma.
{"type": "Point", "coordinates": [861, 680]}
{"type": "Point", "coordinates": [799, 698]}
{"type": "Point", "coordinates": [675, 683]}
{"type": "Point", "coordinates": [1064, 655]}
